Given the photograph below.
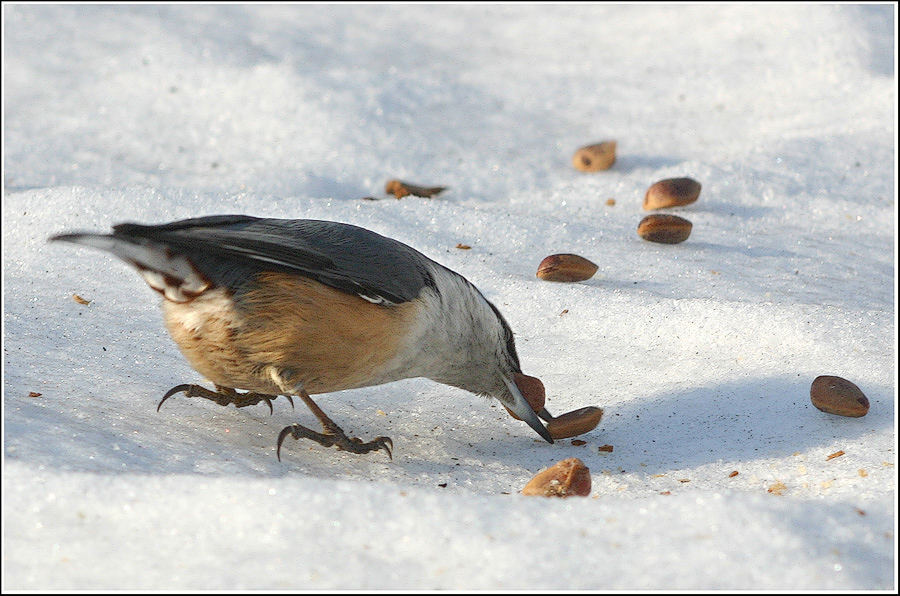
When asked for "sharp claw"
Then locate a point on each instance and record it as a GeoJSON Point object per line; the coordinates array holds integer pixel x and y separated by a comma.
{"type": "Point", "coordinates": [387, 445]}
{"type": "Point", "coordinates": [171, 392]}
{"type": "Point", "coordinates": [269, 403]}
{"type": "Point", "coordinates": [281, 437]}
{"type": "Point", "coordinates": [290, 399]}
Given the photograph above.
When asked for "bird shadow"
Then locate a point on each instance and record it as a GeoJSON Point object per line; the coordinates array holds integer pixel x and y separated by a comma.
{"type": "Point", "coordinates": [685, 428]}
{"type": "Point", "coordinates": [752, 419]}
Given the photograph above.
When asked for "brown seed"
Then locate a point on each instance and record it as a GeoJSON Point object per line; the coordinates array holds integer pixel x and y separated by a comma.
{"type": "Point", "coordinates": [671, 192]}
{"type": "Point", "coordinates": [665, 229]}
{"type": "Point", "coordinates": [532, 389]}
{"type": "Point", "coordinates": [574, 423]}
{"type": "Point", "coordinates": [566, 267]}
{"type": "Point", "coordinates": [835, 395]}
{"type": "Point", "coordinates": [567, 478]}
{"type": "Point", "coordinates": [595, 158]}
{"type": "Point", "coordinates": [401, 189]}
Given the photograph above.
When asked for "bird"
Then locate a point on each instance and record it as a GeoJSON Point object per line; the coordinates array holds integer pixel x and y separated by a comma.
{"type": "Point", "coordinates": [268, 307]}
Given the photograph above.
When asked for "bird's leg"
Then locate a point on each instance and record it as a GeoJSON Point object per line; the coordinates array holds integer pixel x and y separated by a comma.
{"type": "Point", "coordinates": [223, 396]}
{"type": "Point", "coordinates": [332, 436]}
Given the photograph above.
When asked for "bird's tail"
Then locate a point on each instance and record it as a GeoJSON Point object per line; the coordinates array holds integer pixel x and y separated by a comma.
{"type": "Point", "coordinates": [172, 275]}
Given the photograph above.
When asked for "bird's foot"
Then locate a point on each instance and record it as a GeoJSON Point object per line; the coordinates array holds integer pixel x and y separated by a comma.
{"type": "Point", "coordinates": [332, 435]}
{"type": "Point", "coordinates": [223, 396]}
{"type": "Point", "coordinates": [339, 440]}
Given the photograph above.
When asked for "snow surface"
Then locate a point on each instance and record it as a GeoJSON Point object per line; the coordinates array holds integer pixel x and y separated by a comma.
{"type": "Point", "coordinates": [701, 354]}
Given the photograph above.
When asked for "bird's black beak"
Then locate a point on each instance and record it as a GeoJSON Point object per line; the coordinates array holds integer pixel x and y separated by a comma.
{"type": "Point", "coordinates": [521, 408]}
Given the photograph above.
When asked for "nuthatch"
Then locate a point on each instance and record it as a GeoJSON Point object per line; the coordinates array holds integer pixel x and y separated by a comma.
{"type": "Point", "coordinates": [298, 307]}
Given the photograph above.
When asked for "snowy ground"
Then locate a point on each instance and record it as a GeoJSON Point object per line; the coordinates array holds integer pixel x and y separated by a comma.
{"type": "Point", "coordinates": [701, 354]}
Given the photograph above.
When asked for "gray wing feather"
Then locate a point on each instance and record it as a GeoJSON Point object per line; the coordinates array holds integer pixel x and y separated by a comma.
{"type": "Point", "coordinates": [343, 256]}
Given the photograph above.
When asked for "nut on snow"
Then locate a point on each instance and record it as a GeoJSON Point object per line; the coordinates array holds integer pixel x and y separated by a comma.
{"type": "Point", "coordinates": [839, 396]}
{"type": "Point", "coordinates": [566, 267]}
{"type": "Point", "coordinates": [665, 229]}
{"type": "Point", "coordinates": [574, 423]}
{"type": "Point", "coordinates": [671, 192]}
{"type": "Point", "coordinates": [567, 478]}
{"type": "Point", "coordinates": [595, 158]}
